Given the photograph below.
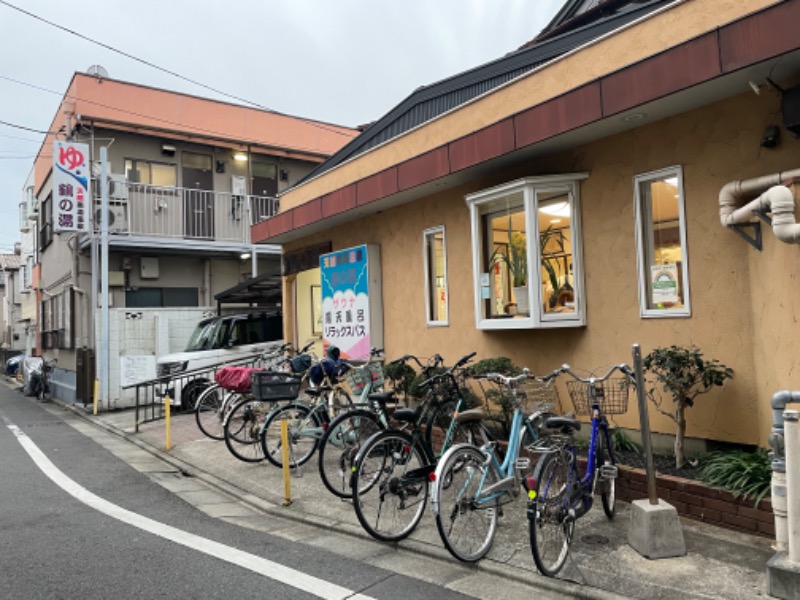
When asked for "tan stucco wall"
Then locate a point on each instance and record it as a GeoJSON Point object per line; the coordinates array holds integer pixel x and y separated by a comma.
{"type": "Point", "coordinates": [742, 309]}
{"type": "Point", "coordinates": [655, 34]}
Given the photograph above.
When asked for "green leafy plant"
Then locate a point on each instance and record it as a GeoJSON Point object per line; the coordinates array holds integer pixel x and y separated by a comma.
{"type": "Point", "coordinates": [622, 443]}
{"type": "Point", "coordinates": [516, 258]}
{"type": "Point", "coordinates": [402, 377]}
{"type": "Point", "coordinates": [683, 374]}
{"type": "Point", "coordinates": [742, 473]}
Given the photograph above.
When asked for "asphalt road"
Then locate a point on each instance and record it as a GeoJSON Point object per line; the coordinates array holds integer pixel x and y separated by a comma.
{"type": "Point", "coordinates": [78, 522]}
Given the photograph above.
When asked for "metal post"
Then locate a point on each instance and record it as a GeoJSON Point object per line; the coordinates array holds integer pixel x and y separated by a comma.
{"type": "Point", "coordinates": [791, 429]}
{"type": "Point", "coordinates": [104, 344]}
{"type": "Point", "coordinates": [287, 485]}
{"type": "Point", "coordinates": [167, 406]}
{"type": "Point", "coordinates": [644, 421]}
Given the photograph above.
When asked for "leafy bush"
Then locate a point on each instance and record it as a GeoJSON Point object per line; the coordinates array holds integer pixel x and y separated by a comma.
{"type": "Point", "coordinates": [496, 396]}
{"type": "Point", "coordinates": [622, 443]}
{"type": "Point", "coordinates": [683, 374]}
{"type": "Point", "coordinates": [742, 473]}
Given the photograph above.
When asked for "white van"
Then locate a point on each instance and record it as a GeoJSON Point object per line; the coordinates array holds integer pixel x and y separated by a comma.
{"type": "Point", "coordinates": [215, 341]}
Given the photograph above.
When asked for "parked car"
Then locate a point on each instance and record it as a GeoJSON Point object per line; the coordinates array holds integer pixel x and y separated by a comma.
{"type": "Point", "coordinates": [216, 340]}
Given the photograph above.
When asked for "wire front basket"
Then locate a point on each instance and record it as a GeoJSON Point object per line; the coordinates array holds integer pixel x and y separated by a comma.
{"type": "Point", "coordinates": [273, 385]}
{"type": "Point", "coordinates": [611, 396]}
{"type": "Point", "coordinates": [358, 377]}
{"type": "Point", "coordinates": [537, 396]}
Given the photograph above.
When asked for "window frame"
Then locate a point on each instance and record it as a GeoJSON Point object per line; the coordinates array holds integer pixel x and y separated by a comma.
{"type": "Point", "coordinates": [643, 237]}
{"type": "Point", "coordinates": [530, 187]}
{"type": "Point", "coordinates": [429, 320]}
{"type": "Point", "coordinates": [133, 164]}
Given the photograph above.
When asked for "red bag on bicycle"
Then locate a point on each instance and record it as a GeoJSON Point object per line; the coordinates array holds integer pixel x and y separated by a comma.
{"type": "Point", "coordinates": [234, 379]}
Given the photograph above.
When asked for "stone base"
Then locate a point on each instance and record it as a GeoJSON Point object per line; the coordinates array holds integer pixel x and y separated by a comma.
{"type": "Point", "coordinates": [783, 577]}
{"type": "Point", "coordinates": [655, 530]}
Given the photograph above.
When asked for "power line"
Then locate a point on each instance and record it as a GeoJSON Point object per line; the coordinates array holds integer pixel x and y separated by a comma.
{"type": "Point", "coordinates": [15, 137]}
{"type": "Point", "coordinates": [164, 70]}
{"type": "Point", "coordinates": [7, 124]}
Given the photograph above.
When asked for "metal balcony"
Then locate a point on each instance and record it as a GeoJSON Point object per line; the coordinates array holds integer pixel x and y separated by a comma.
{"type": "Point", "coordinates": [151, 211]}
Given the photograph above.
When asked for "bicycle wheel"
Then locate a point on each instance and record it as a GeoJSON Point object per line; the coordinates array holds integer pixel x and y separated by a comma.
{"type": "Point", "coordinates": [605, 485]}
{"type": "Point", "coordinates": [549, 524]}
{"type": "Point", "coordinates": [339, 446]}
{"type": "Point", "coordinates": [467, 522]}
{"type": "Point", "coordinates": [304, 430]}
{"type": "Point", "coordinates": [242, 428]}
{"type": "Point", "coordinates": [208, 412]}
{"type": "Point", "coordinates": [390, 485]}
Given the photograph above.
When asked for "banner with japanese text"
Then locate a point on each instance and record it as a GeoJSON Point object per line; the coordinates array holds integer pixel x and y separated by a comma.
{"type": "Point", "coordinates": [351, 300]}
{"type": "Point", "coordinates": [72, 198]}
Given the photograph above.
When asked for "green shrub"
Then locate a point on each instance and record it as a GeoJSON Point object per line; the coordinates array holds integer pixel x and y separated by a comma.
{"type": "Point", "coordinates": [622, 443]}
{"type": "Point", "coordinates": [742, 473]}
{"type": "Point", "coordinates": [496, 395]}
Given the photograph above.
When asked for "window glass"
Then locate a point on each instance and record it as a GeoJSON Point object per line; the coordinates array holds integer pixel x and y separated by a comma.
{"type": "Point", "coordinates": [268, 170]}
{"type": "Point", "coordinates": [435, 276]}
{"type": "Point", "coordinates": [662, 244]}
{"type": "Point", "coordinates": [555, 247]}
{"type": "Point", "coordinates": [196, 161]}
{"type": "Point", "coordinates": [151, 173]}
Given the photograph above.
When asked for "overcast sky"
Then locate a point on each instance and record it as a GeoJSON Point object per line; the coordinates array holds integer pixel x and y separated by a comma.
{"type": "Point", "coordinates": [342, 61]}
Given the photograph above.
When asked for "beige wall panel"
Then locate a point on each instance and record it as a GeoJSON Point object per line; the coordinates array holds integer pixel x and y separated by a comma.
{"type": "Point", "coordinates": [742, 308]}
{"type": "Point", "coordinates": [653, 35]}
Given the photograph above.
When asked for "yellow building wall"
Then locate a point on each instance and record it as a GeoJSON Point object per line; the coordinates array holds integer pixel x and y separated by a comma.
{"type": "Point", "coordinates": [743, 311]}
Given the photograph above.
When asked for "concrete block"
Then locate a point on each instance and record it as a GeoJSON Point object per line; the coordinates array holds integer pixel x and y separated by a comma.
{"type": "Point", "coordinates": [655, 530]}
{"type": "Point", "coordinates": [783, 577]}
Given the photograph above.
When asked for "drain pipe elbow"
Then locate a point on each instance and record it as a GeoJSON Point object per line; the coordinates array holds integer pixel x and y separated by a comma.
{"type": "Point", "coordinates": [784, 225]}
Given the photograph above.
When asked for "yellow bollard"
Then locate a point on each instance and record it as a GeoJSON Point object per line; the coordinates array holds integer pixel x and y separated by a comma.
{"type": "Point", "coordinates": [287, 485]}
{"type": "Point", "coordinates": [96, 392]}
{"type": "Point", "coordinates": [167, 402]}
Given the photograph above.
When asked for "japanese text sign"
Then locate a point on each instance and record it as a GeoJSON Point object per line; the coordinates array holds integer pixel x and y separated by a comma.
{"type": "Point", "coordinates": [72, 199]}
{"type": "Point", "coordinates": [345, 301]}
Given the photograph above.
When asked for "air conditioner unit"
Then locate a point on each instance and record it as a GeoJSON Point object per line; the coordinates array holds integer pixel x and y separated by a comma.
{"type": "Point", "coordinates": [118, 188]}
{"type": "Point", "coordinates": [33, 208]}
{"type": "Point", "coordinates": [24, 223]}
{"type": "Point", "coordinates": [117, 217]}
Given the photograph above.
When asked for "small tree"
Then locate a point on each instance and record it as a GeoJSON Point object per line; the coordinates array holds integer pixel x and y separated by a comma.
{"type": "Point", "coordinates": [683, 373]}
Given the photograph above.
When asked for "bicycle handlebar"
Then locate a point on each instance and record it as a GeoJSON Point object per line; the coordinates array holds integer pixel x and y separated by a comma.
{"type": "Point", "coordinates": [508, 381]}
{"type": "Point", "coordinates": [621, 367]}
{"type": "Point", "coordinates": [449, 372]}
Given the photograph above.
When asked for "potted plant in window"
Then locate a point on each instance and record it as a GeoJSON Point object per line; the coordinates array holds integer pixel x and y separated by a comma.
{"type": "Point", "coordinates": [516, 259]}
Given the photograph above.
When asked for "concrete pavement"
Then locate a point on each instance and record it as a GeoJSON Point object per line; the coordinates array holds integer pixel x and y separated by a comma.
{"type": "Point", "coordinates": [718, 564]}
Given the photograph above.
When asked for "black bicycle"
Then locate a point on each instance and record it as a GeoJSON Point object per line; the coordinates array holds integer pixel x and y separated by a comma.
{"type": "Point", "coordinates": [40, 380]}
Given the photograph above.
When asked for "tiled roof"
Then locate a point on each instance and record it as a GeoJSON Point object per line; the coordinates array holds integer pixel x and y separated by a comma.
{"type": "Point", "coordinates": [428, 102]}
{"type": "Point", "coordinates": [10, 262]}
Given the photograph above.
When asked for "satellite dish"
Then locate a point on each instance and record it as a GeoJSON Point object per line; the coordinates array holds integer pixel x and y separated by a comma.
{"type": "Point", "coordinates": [98, 71]}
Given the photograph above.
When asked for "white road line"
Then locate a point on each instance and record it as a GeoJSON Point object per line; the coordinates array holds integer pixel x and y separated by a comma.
{"type": "Point", "coordinates": [262, 566]}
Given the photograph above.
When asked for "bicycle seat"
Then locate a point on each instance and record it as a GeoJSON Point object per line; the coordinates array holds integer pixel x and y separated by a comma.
{"type": "Point", "coordinates": [562, 423]}
{"type": "Point", "coordinates": [409, 415]}
{"type": "Point", "coordinates": [381, 397]}
{"type": "Point", "coordinates": [473, 414]}
{"type": "Point", "coordinates": [318, 391]}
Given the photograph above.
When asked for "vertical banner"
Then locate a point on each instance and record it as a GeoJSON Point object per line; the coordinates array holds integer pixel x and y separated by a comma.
{"type": "Point", "coordinates": [352, 315]}
{"type": "Point", "coordinates": [72, 198]}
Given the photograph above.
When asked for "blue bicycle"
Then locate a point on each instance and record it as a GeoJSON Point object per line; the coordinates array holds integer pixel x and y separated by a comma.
{"type": "Point", "coordinates": [560, 495]}
{"type": "Point", "coordinates": [472, 483]}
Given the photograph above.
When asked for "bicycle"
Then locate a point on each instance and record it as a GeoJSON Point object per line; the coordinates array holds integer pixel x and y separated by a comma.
{"type": "Point", "coordinates": [472, 483]}
{"type": "Point", "coordinates": [40, 380]}
{"type": "Point", "coordinates": [392, 470]}
{"type": "Point", "coordinates": [216, 401]}
{"type": "Point", "coordinates": [560, 495]}
{"type": "Point", "coordinates": [306, 420]}
{"type": "Point", "coordinates": [244, 422]}
{"type": "Point", "coordinates": [344, 435]}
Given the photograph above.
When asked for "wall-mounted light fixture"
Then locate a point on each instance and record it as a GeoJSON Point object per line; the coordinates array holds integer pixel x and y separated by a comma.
{"type": "Point", "coordinates": [168, 149]}
{"type": "Point", "coordinates": [245, 255]}
{"type": "Point", "coordinates": [284, 174]}
{"type": "Point", "coordinates": [240, 156]}
{"type": "Point", "coordinates": [220, 166]}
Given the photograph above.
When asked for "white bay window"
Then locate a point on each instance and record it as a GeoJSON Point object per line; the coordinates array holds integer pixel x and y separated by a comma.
{"type": "Point", "coordinates": [519, 284]}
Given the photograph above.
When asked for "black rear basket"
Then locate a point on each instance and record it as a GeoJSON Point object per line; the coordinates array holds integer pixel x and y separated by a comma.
{"type": "Point", "coordinates": [274, 385]}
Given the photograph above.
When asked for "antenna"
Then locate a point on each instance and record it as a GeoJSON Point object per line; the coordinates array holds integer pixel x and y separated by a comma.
{"type": "Point", "coordinates": [99, 71]}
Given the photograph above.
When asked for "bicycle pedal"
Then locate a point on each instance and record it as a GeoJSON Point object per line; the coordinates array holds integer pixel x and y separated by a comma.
{"type": "Point", "coordinates": [608, 471]}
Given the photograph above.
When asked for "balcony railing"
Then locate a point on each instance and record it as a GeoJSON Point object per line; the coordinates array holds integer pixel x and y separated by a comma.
{"type": "Point", "coordinates": [170, 212]}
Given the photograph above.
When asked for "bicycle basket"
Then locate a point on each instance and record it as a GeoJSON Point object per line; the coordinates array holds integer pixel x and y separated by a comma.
{"type": "Point", "coordinates": [612, 396]}
{"type": "Point", "coordinates": [538, 396]}
{"type": "Point", "coordinates": [357, 378]}
{"type": "Point", "coordinates": [273, 385]}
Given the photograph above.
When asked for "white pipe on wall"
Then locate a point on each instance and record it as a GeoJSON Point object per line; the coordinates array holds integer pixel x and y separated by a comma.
{"type": "Point", "coordinates": [773, 197]}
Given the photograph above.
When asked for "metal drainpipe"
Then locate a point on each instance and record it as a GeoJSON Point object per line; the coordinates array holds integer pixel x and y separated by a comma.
{"type": "Point", "coordinates": [791, 418]}
{"type": "Point", "coordinates": [779, 489]}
